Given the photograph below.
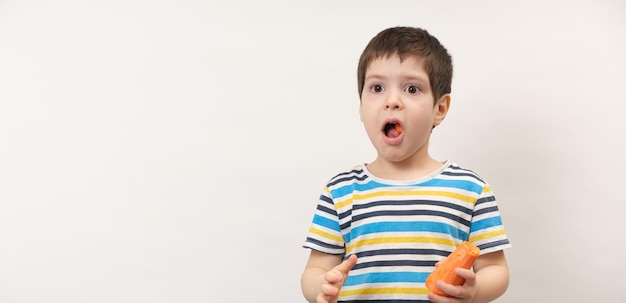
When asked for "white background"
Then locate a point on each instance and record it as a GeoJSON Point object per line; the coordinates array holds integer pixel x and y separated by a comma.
{"type": "Point", "coordinates": [174, 151]}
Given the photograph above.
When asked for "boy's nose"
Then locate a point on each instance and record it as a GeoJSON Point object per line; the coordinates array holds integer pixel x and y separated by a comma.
{"type": "Point", "coordinates": [393, 101]}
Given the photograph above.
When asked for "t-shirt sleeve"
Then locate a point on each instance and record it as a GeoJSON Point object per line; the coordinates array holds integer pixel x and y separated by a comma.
{"type": "Point", "coordinates": [324, 235]}
{"type": "Point", "coordinates": [486, 230]}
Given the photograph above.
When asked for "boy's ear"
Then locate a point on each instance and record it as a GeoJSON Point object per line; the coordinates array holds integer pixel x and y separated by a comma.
{"type": "Point", "coordinates": [441, 109]}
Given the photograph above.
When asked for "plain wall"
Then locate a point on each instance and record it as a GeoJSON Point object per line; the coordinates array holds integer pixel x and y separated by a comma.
{"type": "Point", "coordinates": [174, 151]}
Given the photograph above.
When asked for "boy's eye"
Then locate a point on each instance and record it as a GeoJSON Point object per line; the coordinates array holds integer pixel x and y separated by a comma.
{"type": "Point", "coordinates": [412, 89]}
{"type": "Point", "coordinates": [377, 88]}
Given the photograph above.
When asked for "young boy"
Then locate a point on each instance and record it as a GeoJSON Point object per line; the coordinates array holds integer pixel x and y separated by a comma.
{"type": "Point", "coordinates": [380, 228]}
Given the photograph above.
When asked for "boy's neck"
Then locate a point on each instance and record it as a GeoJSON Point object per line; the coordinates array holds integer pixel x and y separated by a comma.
{"type": "Point", "coordinates": [409, 169]}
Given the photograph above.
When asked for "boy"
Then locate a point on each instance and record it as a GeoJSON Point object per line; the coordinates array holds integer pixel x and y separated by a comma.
{"type": "Point", "coordinates": [380, 228]}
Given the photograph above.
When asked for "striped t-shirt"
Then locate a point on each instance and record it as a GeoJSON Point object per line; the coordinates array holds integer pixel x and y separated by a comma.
{"type": "Point", "coordinates": [400, 229]}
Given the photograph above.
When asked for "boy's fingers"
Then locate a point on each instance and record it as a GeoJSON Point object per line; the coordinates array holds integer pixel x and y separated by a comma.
{"type": "Point", "coordinates": [468, 275]}
{"type": "Point", "coordinates": [329, 290]}
{"type": "Point", "coordinates": [439, 262]}
{"type": "Point", "coordinates": [321, 298]}
{"type": "Point", "coordinates": [346, 265]}
{"type": "Point", "coordinates": [451, 290]}
{"type": "Point", "coordinates": [335, 278]}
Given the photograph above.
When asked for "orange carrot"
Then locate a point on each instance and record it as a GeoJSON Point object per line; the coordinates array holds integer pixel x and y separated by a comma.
{"type": "Point", "coordinates": [399, 128]}
{"type": "Point", "coordinates": [464, 256]}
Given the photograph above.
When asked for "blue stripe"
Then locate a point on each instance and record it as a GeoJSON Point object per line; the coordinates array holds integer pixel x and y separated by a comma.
{"type": "Point", "coordinates": [486, 223]}
{"type": "Point", "coordinates": [352, 187]}
{"type": "Point", "coordinates": [461, 184]}
{"type": "Point", "coordinates": [325, 222]}
{"type": "Point", "coordinates": [387, 277]}
{"type": "Point", "coordinates": [361, 187]}
{"type": "Point", "coordinates": [415, 226]}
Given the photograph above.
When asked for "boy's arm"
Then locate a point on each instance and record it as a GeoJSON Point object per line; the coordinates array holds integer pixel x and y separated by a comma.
{"type": "Point", "coordinates": [324, 275]}
{"type": "Point", "coordinates": [492, 276]}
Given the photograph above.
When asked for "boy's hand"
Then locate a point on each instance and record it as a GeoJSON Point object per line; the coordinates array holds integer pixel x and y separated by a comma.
{"type": "Point", "coordinates": [334, 280]}
{"type": "Point", "coordinates": [458, 294]}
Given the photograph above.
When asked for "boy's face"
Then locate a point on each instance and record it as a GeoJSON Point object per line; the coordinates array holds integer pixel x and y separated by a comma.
{"type": "Point", "coordinates": [398, 109]}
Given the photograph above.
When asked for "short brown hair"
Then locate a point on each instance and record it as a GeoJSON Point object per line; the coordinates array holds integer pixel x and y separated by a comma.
{"type": "Point", "coordinates": [410, 41]}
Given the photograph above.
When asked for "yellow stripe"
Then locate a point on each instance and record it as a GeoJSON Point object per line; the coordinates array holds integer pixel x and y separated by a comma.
{"type": "Point", "coordinates": [486, 189]}
{"type": "Point", "coordinates": [487, 235]}
{"type": "Point", "coordinates": [386, 240]}
{"type": "Point", "coordinates": [343, 204]}
{"type": "Point", "coordinates": [437, 193]}
{"type": "Point", "coordinates": [375, 291]}
{"type": "Point", "coordinates": [325, 234]}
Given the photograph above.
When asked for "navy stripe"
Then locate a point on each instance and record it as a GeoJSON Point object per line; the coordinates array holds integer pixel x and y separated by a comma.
{"type": "Point", "coordinates": [322, 244]}
{"type": "Point", "coordinates": [485, 200]}
{"type": "Point", "coordinates": [326, 199]}
{"type": "Point", "coordinates": [449, 173]}
{"type": "Point", "coordinates": [346, 213]}
{"type": "Point", "coordinates": [390, 263]}
{"type": "Point", "coordinates": [346, 226]}
{"type": "Point", "coordinates": [336, 179]}
{"type": "Point", "coordinates": [486, 210]}
{"type": "Point", "coordinates": [463, 172]}
{"type": "Point", "coordinates": [403, 251]}
{"type": "Point", "coordinates": [353, 171]}
{"type": "Point", "coordinates": [326, 210]}
{"type": "Point", "coordinates": [413, 202]}
{"type": "Point", "coordinates": [492, 244]}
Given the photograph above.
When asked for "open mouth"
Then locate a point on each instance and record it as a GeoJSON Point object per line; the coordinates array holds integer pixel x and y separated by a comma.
{"type": "Point", "coordinates": [392, 129]}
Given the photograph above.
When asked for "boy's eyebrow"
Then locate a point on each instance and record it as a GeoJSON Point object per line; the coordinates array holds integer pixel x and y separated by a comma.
{"type": "Point", "coordinates": [406, 77]}
{"type": "Point", "coordinates": [417, 78]}
{"type": "Point", "coordinates": [374, 76]}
